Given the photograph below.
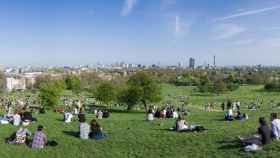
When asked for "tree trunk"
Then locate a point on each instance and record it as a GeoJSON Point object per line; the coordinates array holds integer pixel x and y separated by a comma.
{"type": "Point", "coordinates": [145, 106]}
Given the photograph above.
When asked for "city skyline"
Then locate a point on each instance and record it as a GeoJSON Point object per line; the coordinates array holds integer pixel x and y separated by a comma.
{"type": "Point", "coordinates": [69, 32]}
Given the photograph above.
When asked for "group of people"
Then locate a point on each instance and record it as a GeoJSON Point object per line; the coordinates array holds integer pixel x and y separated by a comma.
{"type": "Point", "coordinates": [100, 114]}
{"type": "Point", "coordinates": [18, 117]}
{"type": "Point", "coordinates": [166, 112]}
{"type": "Point", "coordinates": [265, 134]}
{"type": "Point", "coordinates": [236, 105]}
{"type": "Point", "coordinates": [230, 115]}
{"type": "Point", "coordinates": [232, 111]}
{"type": "Point", "coordinates": [39, 139]}
{"type": "Point", "coordinates": [93, 131]}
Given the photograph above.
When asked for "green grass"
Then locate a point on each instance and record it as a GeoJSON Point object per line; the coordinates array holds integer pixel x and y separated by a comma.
{"type": "Point", "coordinates": [128, 135]}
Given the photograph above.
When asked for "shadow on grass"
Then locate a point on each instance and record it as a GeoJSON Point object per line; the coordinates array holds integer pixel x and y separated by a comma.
{"type": "Point", "coordinates": [125, 111]}
{"type": "Point", "coordinates": [229, 145]}
{"type": "Point", "coordinates": [72, 133]}
{"type": "Point", "coordinates": [204, 94]}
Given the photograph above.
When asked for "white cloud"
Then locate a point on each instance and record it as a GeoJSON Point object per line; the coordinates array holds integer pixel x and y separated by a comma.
{"type": "Point", "coordinates": [227, 31]}
{"type": "Point", "coordinates": [247, 13]}
{"type": "Point", "coordinates": [128, 7]}
{"type": "Point", "coordinates": [181, 27]}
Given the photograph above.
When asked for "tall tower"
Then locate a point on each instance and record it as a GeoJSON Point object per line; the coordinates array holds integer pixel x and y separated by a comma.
{"type": "Point", "coordinates": [192, 63]}
{"type": "Point", "coordinates": [214, 61]}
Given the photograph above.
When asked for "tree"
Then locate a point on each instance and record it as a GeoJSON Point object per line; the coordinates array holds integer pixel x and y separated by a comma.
{"type": "Point", "coordinates": [41, 79]}
{"type": "Point", "coordinates": [220, 86]}
{"type": "Point", "coordinates": [130, 96]}
{"type": "Point", "coordinates": [105, 92]}
{"type": "Point", "coordinates": [2, 81]}
{"type": "Point", "coordinates": [89, 81]}
{"type": "Point", "coordinates": [146, 88]}
{"type": "Point", "coordinates": [50, 91]}
{"type": "Point", "coordinates": [73, 82]}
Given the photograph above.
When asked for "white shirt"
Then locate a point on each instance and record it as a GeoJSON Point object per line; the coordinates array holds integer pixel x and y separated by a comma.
{"type": "Point", "coordinates": [275, 127]}
{"type": "Point", "coordinates": [17, 120]}
{"type": "Point", "coordinates": [230, 113]}
{"type": "Point", "coordinates": [84, 130]}
{"type": "Point", "coordinates": [175, 114]}
{"type": "Point", "coordinates": [68, 117]}
{"type": "Point", "coordinates": [99, 114]}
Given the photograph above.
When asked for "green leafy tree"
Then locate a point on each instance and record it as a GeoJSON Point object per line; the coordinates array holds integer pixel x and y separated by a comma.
{"type": "Point", "coordinates": [49, 92]}
{"type": "Point", "coordinates": [2, 81]}
{"type": "Point", "coordinates": [73, 82]}
{"type": "Point", "coordinates": [105, 92]}
{"type": "Point", "coordinates": [219, 87]}
{"type": "Point", "coordinates": [130, 96]}
{"type": "Point", "coordinates": [145, 88]}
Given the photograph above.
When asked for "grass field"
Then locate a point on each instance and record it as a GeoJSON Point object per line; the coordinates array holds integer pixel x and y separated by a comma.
{"type": "Point", "coordinates": [128, 135]}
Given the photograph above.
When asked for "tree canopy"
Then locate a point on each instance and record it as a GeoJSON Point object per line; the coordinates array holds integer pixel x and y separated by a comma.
{"type": "Point", "coordinates": [141, 88]}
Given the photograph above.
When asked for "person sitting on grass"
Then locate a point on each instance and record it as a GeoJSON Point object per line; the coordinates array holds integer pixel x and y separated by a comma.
{"type": "Point", "coordinates": [157, 113]}
{"type": "Point", "coordinates": [106, 114]}
{"type": "Point", "coordinates": [150, 115]}
{"type": "Point", "coordinates": [99, 114]}
{"type": "Point", "coordinates": [275, 126]}
{"type": "Point", "coordinates": [96, 130]}
{"type": "Point", "coordinates": [181, 124]}
{"type": "Point", "coordinates": [67, 117]}
{"type": "Point", "coordinates": [39, 139]}
{"type": "Point", "coordinates": [263, 136]}
{"type": "Point", "coordinates": [84, 128]}
{"type": "Point", "coordinates": [20, 137]}
{"type": "Point", "coordinates": [229, 115]}
{"type": "Point", "coordinates": [175, 114]}
{"type": "Point", "coordinates": [16, 119]}
{"type": "Point", "coordinates": [240, 116]}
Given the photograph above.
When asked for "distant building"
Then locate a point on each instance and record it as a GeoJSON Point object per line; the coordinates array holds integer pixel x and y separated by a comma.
{"type": "Point", "coordinates": [192, 63]}
{"type": "Point", "coordinates": [13, 83]}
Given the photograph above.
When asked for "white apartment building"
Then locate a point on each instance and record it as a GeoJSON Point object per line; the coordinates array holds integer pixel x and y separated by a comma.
{"type": "Point", "coordinates": [13, 83]}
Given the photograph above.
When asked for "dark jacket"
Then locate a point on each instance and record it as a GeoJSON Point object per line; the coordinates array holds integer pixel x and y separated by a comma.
{"type": "Point", "coordinates": [265, 133]}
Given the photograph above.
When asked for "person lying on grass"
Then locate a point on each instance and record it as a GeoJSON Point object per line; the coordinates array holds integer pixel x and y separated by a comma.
{"type": "Point", "coordinates": [262, 137]}
{"type": "Point", "coordinates": [20, 137]}
{"type": "Point", "coordinates": [96, 130]}
{"type": "Point", "coordinates": [240, 116]}
{"type": "Point", "coordinates": [84, 128]}
{"type": "Point", "coordinates": [275, 126]}
{"type": "Point", "coordinates": [39, 139]}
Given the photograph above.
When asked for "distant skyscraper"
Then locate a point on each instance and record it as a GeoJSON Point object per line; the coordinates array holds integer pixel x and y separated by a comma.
{"type": "Point", "coordinates": [192, 63]}
{"type": "Point", "coordinates": [214, 64]}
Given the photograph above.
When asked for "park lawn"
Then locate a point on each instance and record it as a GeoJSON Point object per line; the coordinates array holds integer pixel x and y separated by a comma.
{"type": "Point", "coordinates": [128, 135]}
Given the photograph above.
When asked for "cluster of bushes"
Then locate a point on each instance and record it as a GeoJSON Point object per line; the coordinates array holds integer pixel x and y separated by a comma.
{"type": "Point", "coordinates": [216, 86]}
{"type": "Point", "coordinates": [272, 86]}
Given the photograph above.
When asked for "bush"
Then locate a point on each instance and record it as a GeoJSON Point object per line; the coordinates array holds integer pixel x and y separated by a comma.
{"type": "Point", "coordinates": [272, 86]}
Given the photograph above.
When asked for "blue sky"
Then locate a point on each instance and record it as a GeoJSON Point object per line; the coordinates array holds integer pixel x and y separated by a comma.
{"type": "Point", "coordinates": [72, 32]}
